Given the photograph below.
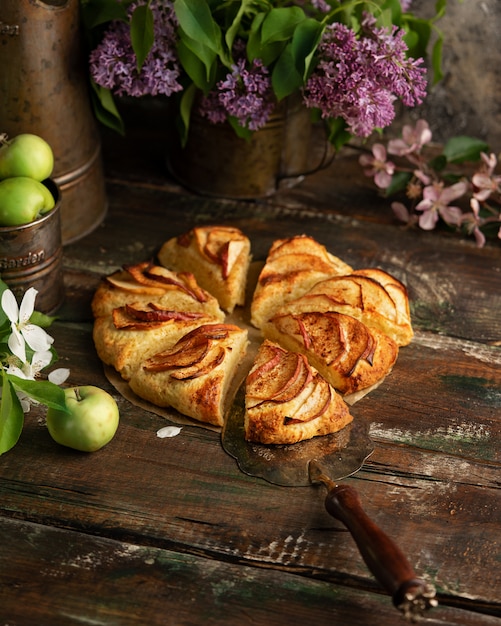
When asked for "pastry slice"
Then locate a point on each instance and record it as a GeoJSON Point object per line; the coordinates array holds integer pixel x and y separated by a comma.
{"type": "Point", "coordinates": [371, 297]}
{"type": "Point", "coordinates": [349, 355]}
{"type": "Point", "coordinates": [146, 282]}
{"type": "Point", "coordinates": [218, 256]}
{"type": "Point", "coordinates": [135, 331]}
{"type": "Point", "coordinates": [291, 268]}
{"type": "Point", "coordinates": [287, 400]}
{"type": "Point", "coordinates": [195, 374]}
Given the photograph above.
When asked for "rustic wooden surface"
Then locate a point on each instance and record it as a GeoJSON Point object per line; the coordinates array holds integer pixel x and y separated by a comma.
{"type": "Point", "coordinates": [169, 531]}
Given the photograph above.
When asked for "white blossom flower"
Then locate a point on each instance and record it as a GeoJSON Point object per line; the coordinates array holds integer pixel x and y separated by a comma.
{"type": "Point", "coordinates": [24, 332]}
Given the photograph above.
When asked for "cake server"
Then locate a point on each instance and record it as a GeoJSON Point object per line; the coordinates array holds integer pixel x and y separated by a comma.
{"type": "Point", "coordinates": [326, 460]}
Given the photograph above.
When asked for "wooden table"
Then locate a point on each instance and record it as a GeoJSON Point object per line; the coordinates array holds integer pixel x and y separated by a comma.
{"type": "Point", "coordinates": [169, 531]}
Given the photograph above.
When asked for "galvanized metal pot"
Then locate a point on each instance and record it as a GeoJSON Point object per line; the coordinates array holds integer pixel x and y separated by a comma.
{"type": "Point", "coordinates": [31, 256]}
{"type": "Point", "coordinates": [44, 87]}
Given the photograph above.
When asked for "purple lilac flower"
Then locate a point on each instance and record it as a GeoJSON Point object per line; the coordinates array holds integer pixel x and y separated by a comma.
{"type": "Point", "coordinates": [113, 63]}
{"type": "Point", "coordinates": [245, 94]}
{"type": "Point", "coordinates": [359, 78]}
{"type": "Point", "coordinates": [406, 5]}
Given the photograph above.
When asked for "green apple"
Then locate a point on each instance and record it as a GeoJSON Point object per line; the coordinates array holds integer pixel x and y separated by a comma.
{"type": "Point", "coordinates": [26, 155]}
{"type": "Point", "coordinates": [90, 422]}
{"type": "Point", "coordinates": [22, 200]}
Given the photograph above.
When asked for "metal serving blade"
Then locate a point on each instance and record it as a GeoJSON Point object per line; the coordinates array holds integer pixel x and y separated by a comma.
{"type": "Point", "coordinates": [341, 454]}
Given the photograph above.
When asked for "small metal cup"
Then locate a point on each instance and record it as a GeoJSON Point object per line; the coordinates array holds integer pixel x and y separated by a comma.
{"type": "Point", "coordinates": [31, 256]}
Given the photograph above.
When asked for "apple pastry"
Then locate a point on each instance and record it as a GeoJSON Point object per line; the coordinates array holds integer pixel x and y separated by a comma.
{"type": "Point", "coordinates": [218, 256]}
{"type": "Point", "coordinates": [324, 333]}
{"type": "Point", "coordinates": [194, 374]}
{"type": "Point", "coordinates": [291, 268]}
{"type": "Point", "coordinates": [349, 355]}
{"type": "Point", "coordinates": [287, 400]}
{"type": "Point", "coordinates": [370, 296]}
{"type": "Point", "coordinates": [146, 282]}
{"type": "Point", "coordinates": [134, 332]}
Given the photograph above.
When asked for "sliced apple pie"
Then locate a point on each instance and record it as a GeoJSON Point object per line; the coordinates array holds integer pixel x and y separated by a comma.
{"type": "Point", "coordinates": [370, 296]}
{"type": "Point", "coordinates": [218, 256]}
{"type": "Point", "coordinates": [291, 268]}
{"type": "Point", "coordinates": [194, 374]}
{"type": "Point", "coordinates": [349, 355]}
{"type": "Point", "coordinates": [287, 400]}
{"type": "Point", "coordinates": [146, 282]}
{"type": "Point", "coordinates": [134, 332]}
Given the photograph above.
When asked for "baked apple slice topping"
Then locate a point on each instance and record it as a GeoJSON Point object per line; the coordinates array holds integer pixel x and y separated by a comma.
{"type": "Point", "coordinates": [221, 245]}
{"type": "Point", "coordinates": [315, 405]}
{"type": "Point", "coordinates": [148, 278]}
{"type": "Point", "coordinates": [194, 355]}
{"type": "Point", "coordinates": [136, 317]}
{"type": "Point", "coordinates": [280, 378]}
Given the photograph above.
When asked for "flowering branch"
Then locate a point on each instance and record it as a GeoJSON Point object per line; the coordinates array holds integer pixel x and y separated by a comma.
{"type": "Point", "coordinates": [431, 188]}
{"type": "Point", "coordinates": [25, 350]}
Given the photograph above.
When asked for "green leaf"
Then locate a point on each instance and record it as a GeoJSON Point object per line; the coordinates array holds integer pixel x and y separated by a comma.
{"type": "Point", "coordinates": [460, 149]}
{"type": "Point", "coordinates": [280, 24]}
{"type": "Point", "coordinates": [3, 317]}
{"type": "Point", "coordinates": [198, 61]}
{"type": "Point", "coordinates": [285, 78]}
{"type": "Point", "coordinates": [42, 320]}
{"type": "Point", "coordinates": [438, 163]}
{"type": "Point", "coordinates": [196, 21]}
{"type": "Point", "coordinates": [11, 416]}
{"type": "Point", "coordinates": [97, 12]}
{"type": "Point", "coordinates": [185, 106]}
{"type": "Point", "coordinates": [440, 7]}
{"type": "Point", "coordinates": [256, 49]}
{"type": "Point", "coordinates": [141, 33]}
{"type": "Point", "coordinates": [231, 33]}
{"type": "Point", "coordinates": [417, 37]}
{"type": "Point", "coordinates": [42, 391]}
{"type": "Point", "coordinates": [436, 60]}
{"type": "Point", "coordinates": [240, 131]}
{"type": "Point", "coordinates": [105, 108]}
{"type": "Point", "coordinates": [399, 182]}
{"type": "Point", "coordinates": [337, 133]}
{"type": "Point", "coordinates": [304, 44]}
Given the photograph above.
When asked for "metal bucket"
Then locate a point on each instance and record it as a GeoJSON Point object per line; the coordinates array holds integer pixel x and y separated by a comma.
{"type": "Point", "coordinates": [216, 162]}
{"type": "Point", "coordinates": [44, 82]}
{"type": "Point", "coordinates": [31, 256]}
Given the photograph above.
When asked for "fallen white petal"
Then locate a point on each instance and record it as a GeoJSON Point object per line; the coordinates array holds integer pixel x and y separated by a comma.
{"type": "Point", "coordinates": [168, 431]}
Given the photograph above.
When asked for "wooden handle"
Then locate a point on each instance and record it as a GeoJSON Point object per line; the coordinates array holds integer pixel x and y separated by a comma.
{"type": "Point", "coordinates": [383, 557]}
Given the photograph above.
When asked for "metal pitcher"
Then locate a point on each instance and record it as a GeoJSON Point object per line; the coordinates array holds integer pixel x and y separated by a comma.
{"type": "Point", "coordinates": [44, 89]}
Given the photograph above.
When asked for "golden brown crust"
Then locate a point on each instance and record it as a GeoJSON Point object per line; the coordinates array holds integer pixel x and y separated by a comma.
{"type": "Point", "coordinates": [292, 267]}
{"type": "Point", "coordinates": [369, 296]}
{"type": "Point", "coordinates": [339, 329]}
{"type": "Point", "coordinates": [123, 342]}
{"type": "Point", "coordinates": [218, 256]}
{"type": "Point", "coordinates": [194, 374]}
{"type": "Point", "coordinates": [288, 401]}
{"type": "Point", "coordinates": [348, 354]}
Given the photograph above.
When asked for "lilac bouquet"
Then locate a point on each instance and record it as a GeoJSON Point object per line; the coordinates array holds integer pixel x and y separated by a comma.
{"type": "Point", "coordinates": [234, 61]}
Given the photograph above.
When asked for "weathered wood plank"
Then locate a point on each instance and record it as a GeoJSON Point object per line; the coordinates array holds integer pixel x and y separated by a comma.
{"type": "Point", "coordinates": [188, 494]}
{"type": "Point", "coordinates": [63, 578]}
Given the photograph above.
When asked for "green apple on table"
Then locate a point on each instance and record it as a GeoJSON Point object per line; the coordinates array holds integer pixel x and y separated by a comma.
{"type": "Point", "coordinates": [90, 422]}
